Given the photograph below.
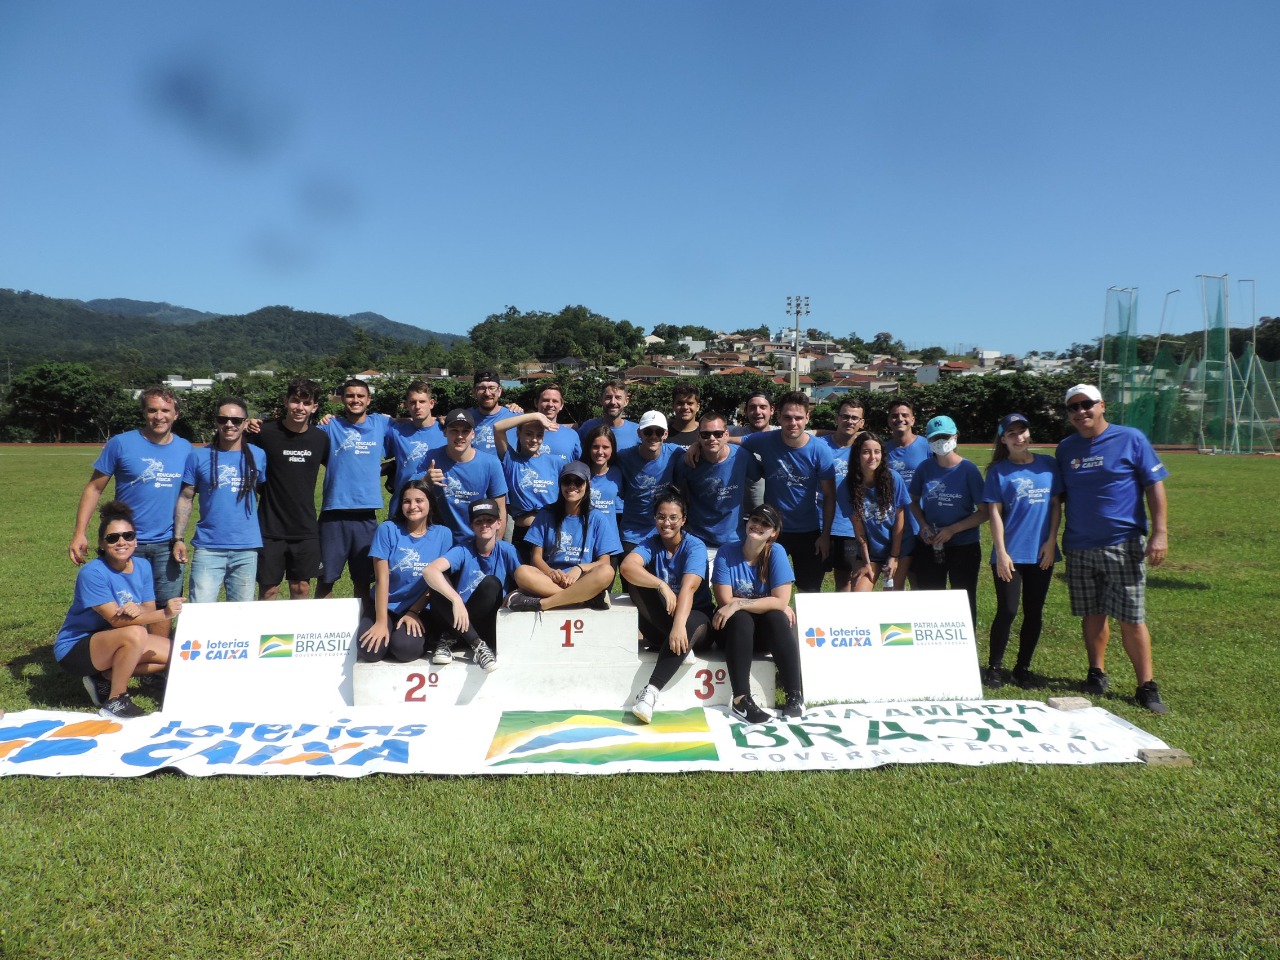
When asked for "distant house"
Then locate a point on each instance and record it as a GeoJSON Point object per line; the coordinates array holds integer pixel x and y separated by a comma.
{"type": "Point", "coordinates": [987, 359]}
{"type": "Point", "coordinates": [644, 374]}
{"type": "Point", "coordinates": [570, 363]}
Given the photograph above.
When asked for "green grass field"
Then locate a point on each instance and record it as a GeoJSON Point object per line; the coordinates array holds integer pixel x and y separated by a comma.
{"type": "Point", "coordinates": [928, 861]}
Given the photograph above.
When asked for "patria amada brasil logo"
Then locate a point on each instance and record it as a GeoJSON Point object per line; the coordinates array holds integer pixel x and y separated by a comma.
{"type": "Point", "coordinates": [897, 634]}
{"type": "Point", "coordinates": [834, 637]}
{"type": "Point", "coordinates": [275, 645]}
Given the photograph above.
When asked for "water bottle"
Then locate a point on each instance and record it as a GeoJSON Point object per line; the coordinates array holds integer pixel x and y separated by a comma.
{"type": "Point", "coordinates": [939, 551]}
{"type": "Point", "coordinates": [888, 580]}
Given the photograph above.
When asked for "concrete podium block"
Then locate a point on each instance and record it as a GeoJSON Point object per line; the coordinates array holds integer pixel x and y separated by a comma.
{"type": "Point", "coordinates": [1070, 703]}
{"type": "Point", "coordinates": [1172, 757]}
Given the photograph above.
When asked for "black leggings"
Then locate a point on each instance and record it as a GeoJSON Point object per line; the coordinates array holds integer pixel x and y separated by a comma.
{"type": "Point", "coordinates": [1032, 584]}
{"type": "Point", "coordinates": [961, 566]}
{"type": "Point", "coordinates": [746, 632]}
{"type": "Point", "coordinates": [482, 608]}
{"type": "Point", "coordinates": [400, 645]}
{"type": "Point", "coordinates": [656, 624]}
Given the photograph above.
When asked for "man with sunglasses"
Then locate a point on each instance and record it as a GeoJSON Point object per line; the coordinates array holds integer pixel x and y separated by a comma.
{"type": "Point", "coordinates": [646, 469]}
{"type": "Point", "coordinates": [846, 554]}
{"type": "Point", "coordinates": [147, 466]}
{"type": "Point", "coordinates": [714, 487]}
{"type": "Point", "coordinates": [1107, 470]}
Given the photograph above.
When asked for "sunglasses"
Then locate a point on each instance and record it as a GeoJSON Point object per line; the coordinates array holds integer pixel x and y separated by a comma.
{"type": "Point", "coordinates": [1082, 405]}
{"type": "Point", "coordinates": [711, 434]}
{"type": "Point", "coordinates": [652, 432]}
{"type": "Point", "coordinates": [572, 481]}
{"type": "Point", "coordinates": [234, 421]}
{"type": "Point", "coordinates": [128, 536]}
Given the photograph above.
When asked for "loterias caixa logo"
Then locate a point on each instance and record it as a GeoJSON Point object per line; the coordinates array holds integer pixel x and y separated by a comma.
{"type": "Point", "coordinates": [838, 637]}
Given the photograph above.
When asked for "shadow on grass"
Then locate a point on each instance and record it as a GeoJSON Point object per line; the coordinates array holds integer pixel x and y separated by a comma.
{"type": "Point", "coordinates": [47, 685]}
{"type": "Point", "coordinates": [1173, 583]}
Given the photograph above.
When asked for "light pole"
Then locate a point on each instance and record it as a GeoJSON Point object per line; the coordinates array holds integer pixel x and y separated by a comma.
{"type": "Point", "coordinates": [797, 306]}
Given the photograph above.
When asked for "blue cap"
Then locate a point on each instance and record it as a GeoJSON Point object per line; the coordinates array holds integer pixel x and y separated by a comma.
{"type": "Point", "coordinates": [940, 427]}
{"type": "Point", "coordinates": [1010, 420]}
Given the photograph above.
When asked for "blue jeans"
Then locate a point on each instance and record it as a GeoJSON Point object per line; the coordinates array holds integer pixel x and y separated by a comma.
{"type": "Point", "coordinates": [166, 572]}
{"type": "Point", "coordinates": [212, 569]}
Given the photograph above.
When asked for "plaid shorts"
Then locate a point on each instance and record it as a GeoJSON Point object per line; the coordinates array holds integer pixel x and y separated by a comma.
{"type": "Point", "coordinates": [1109, 580]}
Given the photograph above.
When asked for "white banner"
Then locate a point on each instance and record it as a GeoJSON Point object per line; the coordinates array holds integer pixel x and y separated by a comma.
{"type": "Point", "coordinates": [355, 741]}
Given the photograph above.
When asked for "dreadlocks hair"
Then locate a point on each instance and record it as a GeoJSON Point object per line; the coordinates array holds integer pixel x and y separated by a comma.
{"type": "Point", "coordinates": [248, 466]}
{"type": "Point", "coordinates": [881, 480]}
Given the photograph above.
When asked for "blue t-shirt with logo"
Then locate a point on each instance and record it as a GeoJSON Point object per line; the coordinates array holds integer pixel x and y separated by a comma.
{"type": "Point", "coordinates": [227, 520]}
{"type": "Point", "coordinates": [578, 542]}
{"type": "Point", "coordinates": [1103, 480]}
{"type": "Point", "coordinates": [148, 478]}
{"type": "Point", "coordinates": [353, 473]}
{"type": "Point", "coordinates": [532, 482]}
{"type": "Point", "coordinates": [949, 494]}
{"type": "Point", "coordinates": [407, 556]}
{"type": "Point", "coordinates": [1024, 492]}
{"type": "Point", "coordinates": [606, 492]}
{"type": "Point", "coordinates": [841, 525]}
{"type": "Point", "coordinates": [464, 483]}
{"type": "Point", "coordinates": [641, 480]}
{"type": "Point", "coordinates": [410, 444]}
{"type": "Point", "coordinates": [670, 568]}
{"type": "Point", "coordinates": [96, 584]}
{"type": "Point", "coordinates": [792, 477]}
{"type": "Point", "coordinates": [483, 439]}
{"type": "Point", "coordinates": [469, 568]}
{"type": "Point", "coordinates": [715, 494]}
{"type": "Point", "coordinates": [626, 434]}
{"type": "Point", "coordinates": [751, 582]}
{"type": "Point", "coordinates": [562, 443]}
{"type": "Point", "coordinates": [878, 522]}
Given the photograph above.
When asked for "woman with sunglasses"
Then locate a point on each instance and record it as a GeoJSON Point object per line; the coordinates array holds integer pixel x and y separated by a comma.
{"type": "Point", "coordinates": [104, 639]}
{"type": "Point", "coordinates": [876, 499]}
{"type": "Point", "coordinates": [1024, 490]}
{"type": "Point", "coordinates": [752, 582]}
{"type": "Point", "coordinates": [226, 475]}
{"type": "Point", "coordinates": [391, 624]}
{"type": "Point", "coordinates": [667, 574]}
{"type": "Point", "coordinates": [572, 549]}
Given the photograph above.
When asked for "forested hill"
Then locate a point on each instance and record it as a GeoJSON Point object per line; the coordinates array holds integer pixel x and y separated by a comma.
{"type": "Point", "coordinates": [34, 328]}
{"type": "Point", "coordinates": [164, 312]}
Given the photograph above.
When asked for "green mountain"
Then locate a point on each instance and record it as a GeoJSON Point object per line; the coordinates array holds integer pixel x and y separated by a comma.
{"type": "Point", "coordinates": [164, 312]}
{"type": "Point", "coordinates": [379, 325]}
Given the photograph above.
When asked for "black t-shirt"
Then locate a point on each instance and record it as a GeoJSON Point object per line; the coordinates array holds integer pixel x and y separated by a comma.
{"type": "Point", "coordinates": [287, 510]}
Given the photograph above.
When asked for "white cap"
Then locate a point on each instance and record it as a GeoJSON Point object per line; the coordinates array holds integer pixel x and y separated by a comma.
{"type": "Point", "coordinates": [1083, 389]}
{"type": "Point", "coordinates": [653, 418]}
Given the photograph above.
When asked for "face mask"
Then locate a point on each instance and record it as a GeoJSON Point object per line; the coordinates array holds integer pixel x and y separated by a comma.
{"type": "Point", "coordinates": [940, 448]}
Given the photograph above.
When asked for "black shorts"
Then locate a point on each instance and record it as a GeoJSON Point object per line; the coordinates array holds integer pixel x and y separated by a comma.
{"type": "Point", "coordinates": [846, 555]}
{"type": "Point", "coordinates": [293, 560]}
{"type": "Point", "coordinates": [78, 662]}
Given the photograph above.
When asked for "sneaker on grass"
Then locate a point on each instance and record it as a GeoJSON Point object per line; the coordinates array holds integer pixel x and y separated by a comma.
{"type": "Point", "coordinates": [993, 677]}
{"type": "Point", "coordinates": [121, 708]}
{"type": "Point", "coordinates": [747, 710]}
{"type": "Point", "coordinates": [646, 700]}
{"type": "Point", "coordinates": [1096, 683]}
{"type": "Point", "coordinates": [794, 709]}
{"type": "Point", "coordinates": [483, 657]}
{"type": "Point", "coordinates": [99, 688]}
{"type": "Point", "coordinates": [153, 684]}
{"type": "Point", "coordinates": [1148, 696]}
{"type": "Point", "coordinates": [1027, 680]}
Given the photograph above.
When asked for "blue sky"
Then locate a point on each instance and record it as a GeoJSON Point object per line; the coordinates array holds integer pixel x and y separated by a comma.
{"type": "Point", "coordinates": [958, 173]}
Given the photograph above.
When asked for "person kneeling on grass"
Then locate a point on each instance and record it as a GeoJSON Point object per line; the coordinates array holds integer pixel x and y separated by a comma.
{"type": "Point", "coordinates": [466, 605]}
{"type": "Point", "coordinates": [752, 582]}
{"type": "Point", "coordinates": [572, 545]}
{"type": "Point", "coordinates": [667, 574]}
{"type": "Point", "coordinates": [104, 639]}
{"type": "Point", "coordinates": [392, 623]}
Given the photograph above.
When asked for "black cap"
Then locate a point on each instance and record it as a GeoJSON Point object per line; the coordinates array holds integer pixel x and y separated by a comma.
{"type": "Point", "coordinates": [485, 508]}
{"type": "Point", "coordinates": [486, 375]}
{"type": "Point", "coordinates": [458, 415]}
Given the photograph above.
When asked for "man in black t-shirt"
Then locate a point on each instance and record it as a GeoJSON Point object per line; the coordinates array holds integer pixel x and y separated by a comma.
{"type": "Point", "coordinates": [295, 450]}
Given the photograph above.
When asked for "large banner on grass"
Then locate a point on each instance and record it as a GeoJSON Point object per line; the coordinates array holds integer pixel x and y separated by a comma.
{"type": "Point", "coordinates": [477, 740]}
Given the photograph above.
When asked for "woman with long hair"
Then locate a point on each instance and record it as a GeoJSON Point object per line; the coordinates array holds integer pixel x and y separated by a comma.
{"type": "Point", "coordinates": [599, 450]}
{"type": "Point", "coordinates": [531, 471]}
{"type": "Point", "coordinates": [876, 500]}
{"type": "Point", "coordinates": [1024, 490]}
{"type": "Point", "coordinates": [104, 639]}
{"type": "Point", "coordinates": [667, 574]}
{"type": "Point", "coordinates": [752, 583]}
{"type": "Point", "coordinates": [391, 622]}
{"type": "Point", "coordinates": [572, 548]}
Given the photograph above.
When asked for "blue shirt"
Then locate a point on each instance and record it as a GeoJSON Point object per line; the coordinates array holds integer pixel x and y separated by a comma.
{"type": "Point", "coordinates": [715, 493]}
{"type": "Point", "coordinates": [407, 557]}
{"type": "Point", "coordinates": [483, 439]}
{"type": "Point", "coordinates": [949, 494]}
{"type": "Point", "coordinates": [1103, 480]}
{"type": "Point", "coordinates": [626, 434]}
{"type": "Point", "coordinates": [606, 492]}
{"type": "Point", "coordinates": [148, 478]}
{"type": "Point", "coordinates": [464, 483]}
{"type": "Point", "coordinates": [96, 584]}
{"type": "Point", "coordinates": [904, 461]}
{"type": "Point", "coordinates": [562, 443]}
{"type": "Point", "coordinates": [577, 544]}
{"type": "Point", "coordinates": [532, 482]}
{"type": "Point", "coordinates": [641, 480]}
{"type": "Point", "coordinates": [353, 474]}
{"type": "Point", "coordinates": [469, 568]}
{"type": "Point", "coordinates": [670, 568]}
{"type": "Point", "coordinates": [1024, 492]}
{"type": "Point", "coordinates": [748, 582]}
{"type": "Point", "coordinates": [841, 525]}
{"type": "Point", "coordinates": [792, 477]}
{"type": "Point", "coordinates": [227, 521]}
{"type": "Point", "coordinates": [410, 445]}
{"type": "Point", "coordinates": [879, 523]}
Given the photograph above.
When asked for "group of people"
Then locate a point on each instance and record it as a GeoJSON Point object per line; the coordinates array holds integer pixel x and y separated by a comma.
{"type": "Point", "coordinates": [710, 525]}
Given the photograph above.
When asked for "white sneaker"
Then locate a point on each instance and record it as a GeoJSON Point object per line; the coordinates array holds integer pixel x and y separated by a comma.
{"type": "Point", "coordinates": [646, 700]}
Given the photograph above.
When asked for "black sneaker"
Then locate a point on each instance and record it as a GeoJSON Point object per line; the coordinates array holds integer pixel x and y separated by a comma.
{"type": "Point", "coordinates": [443, 653]}
{"type": "Point", "coordinates": [1027, 680]}
{"type": "Point", "coordinates": [794, 709]}
{"type": "Point", "coordinates": [153, 685]}
{"type": "Point", "coordinates": [1096, 682]}
{"type": "Point", "coordinates": [121, 708]}
{"type": "Point", "coordinates": [99, 688]}
{"type": "Point", "coordinates": [483, 657]}
{"type": "Point", "coordinates": [1148, 696]}
{"type": "Point", "coordinates": [523, 603]}
{"type": "Point", "coordinates": [993, 677]}
{"type": "Point", "coordinates": [600, 601]}
{"type": "Point", "coordinates": [748, 711]}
